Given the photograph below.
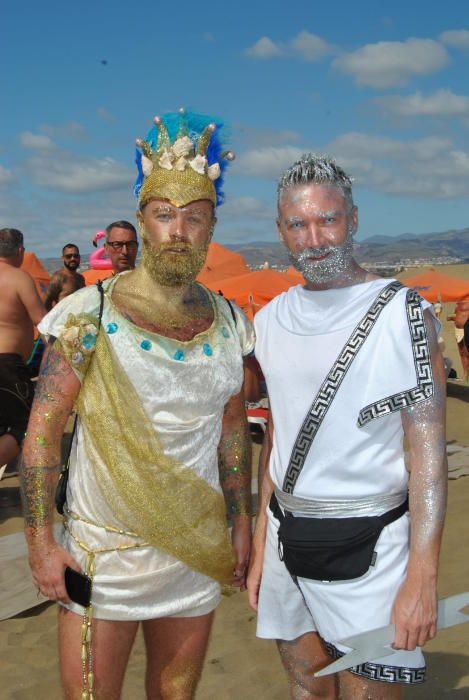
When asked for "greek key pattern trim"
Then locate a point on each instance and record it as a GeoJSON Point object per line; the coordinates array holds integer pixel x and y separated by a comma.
{"type": "Point", "coordinates": [331, 384]}
{"type": "Point", "coordinates": [382, 672]}
{"type": "Point", "coordinates": [423, 368]}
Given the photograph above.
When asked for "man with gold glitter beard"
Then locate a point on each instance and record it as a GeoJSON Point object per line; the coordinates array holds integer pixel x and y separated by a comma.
{"type": "Point", "coordinates": [161, 450]}
{"type": "Point", "coordinates": [348, 536]}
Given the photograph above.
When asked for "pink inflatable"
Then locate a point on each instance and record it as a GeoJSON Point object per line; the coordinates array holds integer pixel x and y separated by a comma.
{"type": "Point", "coordinates": [98, 259]}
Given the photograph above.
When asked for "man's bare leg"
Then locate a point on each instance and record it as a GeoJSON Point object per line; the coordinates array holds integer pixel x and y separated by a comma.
{"type": "Point", "coordinates": [301, 657]}
{"type": "Point", "coordinates": [354, 687]}
{"type": "Point", "coordinates": [176, 648]}
{"type": "Point", "coordinates": [111, 645]}
{"type": "Point", "coordinates": [9, 449]}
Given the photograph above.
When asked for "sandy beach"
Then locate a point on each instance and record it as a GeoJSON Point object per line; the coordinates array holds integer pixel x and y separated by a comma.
{"type": "Point", "coordinates": [238, 665]}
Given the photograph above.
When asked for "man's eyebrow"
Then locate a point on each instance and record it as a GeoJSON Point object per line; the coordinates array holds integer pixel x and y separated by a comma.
{"type": "Point", "coordinates": [166, 208]}
{"type": "Point", "coordinates": [161, 207]}
{"type": "Point", "coordinates": [330, 213]}
{"type": "Point", "coordinates": [293, 219]}
{"type": "Point", "coordinates": [195, 210]}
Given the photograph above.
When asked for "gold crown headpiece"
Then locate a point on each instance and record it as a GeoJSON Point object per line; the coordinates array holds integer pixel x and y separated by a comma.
{"type": "Point", "coordinates": [180, 171]}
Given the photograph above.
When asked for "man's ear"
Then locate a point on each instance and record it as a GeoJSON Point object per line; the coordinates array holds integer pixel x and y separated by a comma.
{"type": "Point", "coordinates": [280, 232]}
{"type": "Point", "coordinates": [212, 228]}
{"type": "Point", "coordinates": [140, 223]}
{"type": "Point", "coordinates": [354, 220]}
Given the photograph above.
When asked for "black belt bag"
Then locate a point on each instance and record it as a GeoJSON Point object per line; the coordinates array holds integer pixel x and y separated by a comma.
{"type": "Point", "coordinates": [330, 549]}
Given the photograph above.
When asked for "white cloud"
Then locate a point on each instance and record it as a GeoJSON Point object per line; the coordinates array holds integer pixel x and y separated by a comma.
{"type": "Point", "coordinates": [71, 130]}
{"type": "Point", "coordinates": [36, 142]}
{"type": "Point", "coordinates": [65, 172]}
{"type": "Point", "coordinates": [247, 206]}
{"type": "Point", "coordinates": [357, 145]}
{"type": "Point", "coordinates": [429, 167]}
{"type": "Point", "coordinates": [208, 37]}
{"type": "Point", "coordinates": [255, 137]}
{"type": "Point", "coordinates": [456, 38]}
{"type": "Point", "coordinates": [443, 103]}
{"type": "Point", "coordinates": [307, 46]}
{"type": "Point", "coordinates": [392, 63]}
{"type": "Point", "coordinates": [6, 176]}
{"type": "Point", "coordinates": [67, 219]}
{"type": "Point", "coordinates": [103, 114]}
{"type": "Point", "coordinates": [264, 48]}
{"type": "Point", "coordinates": [310, 46]}
{"type": "Point", "coordinates": [267, 162]}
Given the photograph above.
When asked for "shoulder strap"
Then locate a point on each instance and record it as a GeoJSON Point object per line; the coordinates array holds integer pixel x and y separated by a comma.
{"type": "Point", "coordinates": [232, 310]}
{"type": "Point", "coordinates": [331, 384]}
{"type": "Point", "coordinates": [99, 285]}
{"type": "Point", "coordinates": [220, 294]}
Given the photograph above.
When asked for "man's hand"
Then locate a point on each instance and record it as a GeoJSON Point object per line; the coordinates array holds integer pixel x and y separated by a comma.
{"type": "Point", "coordinates": [415, 612]}
{"type": "Point", "coordinates": [48, 561]}
{"type": "Point", "coordinates": [254, 577]}
{"type": "Point", "coordinates": [241, 538]}
{"type": "Point", "coordinates": [257, 559]}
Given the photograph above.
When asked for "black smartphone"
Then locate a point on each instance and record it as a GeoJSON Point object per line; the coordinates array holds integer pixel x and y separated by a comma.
{"type": "Point", "coordinates": [78, 587]}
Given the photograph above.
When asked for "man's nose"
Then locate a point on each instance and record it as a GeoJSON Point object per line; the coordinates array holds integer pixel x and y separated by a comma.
{"type": "Point", "coordinates": [315, 236]}
{"type": "Point", "coordinates": [178, 230]}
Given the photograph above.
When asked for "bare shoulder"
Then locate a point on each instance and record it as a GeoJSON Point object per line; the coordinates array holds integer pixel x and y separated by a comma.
{"type": "Point", "coordinates": [15, 277]}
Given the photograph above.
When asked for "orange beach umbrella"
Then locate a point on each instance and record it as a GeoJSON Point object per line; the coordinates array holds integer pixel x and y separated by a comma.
{"type": "Point", "coordinates": [254, 290]}
{"type": "Point", "coordinates": [92, 276]}
{"type": "Point", "coordinates": [433, 285]}
{"type": "Point", "coordinates": [39, 274]}
{"type": "Point", "coordinates": [221, 263]}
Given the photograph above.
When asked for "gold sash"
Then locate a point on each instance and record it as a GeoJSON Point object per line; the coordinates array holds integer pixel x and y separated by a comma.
{"type": "Point", "coordinates": [165, 502]}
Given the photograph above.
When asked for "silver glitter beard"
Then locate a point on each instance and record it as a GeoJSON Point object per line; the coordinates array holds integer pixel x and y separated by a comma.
{"type": "Point", "coordinates": [322, 271]}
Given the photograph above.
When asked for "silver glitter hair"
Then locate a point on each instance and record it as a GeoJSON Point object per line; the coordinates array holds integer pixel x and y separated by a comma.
{"type": "Point", "coordinates": [318, 170]}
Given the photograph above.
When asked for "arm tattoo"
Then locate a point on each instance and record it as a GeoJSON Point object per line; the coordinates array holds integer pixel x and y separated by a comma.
{"type": "Point", "coordinates": [54, 289]}
{"type": "Point", "coordinates": [53, 370]}
{"type": "Point", "coordinates": [234, 464]}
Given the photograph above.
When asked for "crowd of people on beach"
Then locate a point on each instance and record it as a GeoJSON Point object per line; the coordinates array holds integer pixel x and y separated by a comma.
{"type": "Point", "coordinates": [153, 366]}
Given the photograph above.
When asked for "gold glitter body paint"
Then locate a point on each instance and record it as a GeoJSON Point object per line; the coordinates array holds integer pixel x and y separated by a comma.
{"type": "Point", "coordinates": [40, 464]}
{"type": "Point", "coordinates": [234, 463]}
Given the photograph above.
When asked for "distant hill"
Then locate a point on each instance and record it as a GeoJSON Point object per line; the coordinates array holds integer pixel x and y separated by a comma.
{"type": "Point", "coordinates": [445, 244]}
{"type": "Point", "coordinates": [387, 249]}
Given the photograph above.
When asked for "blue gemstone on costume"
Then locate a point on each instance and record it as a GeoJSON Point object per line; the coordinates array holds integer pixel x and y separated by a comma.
{"type": "Point", "coordinates": [89, 341]}
{"type": "Point", "coordinates": [207, 349]}
{"type": "Point", "coordinates": [179, 355]}
{"type": "Point", "coordinates": [112, 328]}
{"type": "Point", "coordinates": [225, 333]}
{"type": "Point", "coordinates": [145, 344]}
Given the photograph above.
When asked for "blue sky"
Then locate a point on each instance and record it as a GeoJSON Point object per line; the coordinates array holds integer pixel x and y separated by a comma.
{"type": "Point", "coordinates": [386, 91]}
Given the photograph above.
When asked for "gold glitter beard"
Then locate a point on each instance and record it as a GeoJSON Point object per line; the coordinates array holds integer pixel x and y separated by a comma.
{"type": "Point", "coordinates": [173, 269]}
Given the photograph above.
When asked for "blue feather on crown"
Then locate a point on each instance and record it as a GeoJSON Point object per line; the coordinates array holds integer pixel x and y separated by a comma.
{"type": "Point", "coordinates": [194, 124]}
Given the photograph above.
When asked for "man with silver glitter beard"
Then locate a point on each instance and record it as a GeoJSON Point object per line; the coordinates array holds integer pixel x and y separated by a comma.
{"type": "Point", "coordinates": [352, 367]}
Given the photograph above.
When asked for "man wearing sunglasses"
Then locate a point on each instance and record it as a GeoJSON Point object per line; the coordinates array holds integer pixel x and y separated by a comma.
{"type": "Point", "coordinates": [121, 246]}
{"type": "Point", "coordinates": [67, 280]}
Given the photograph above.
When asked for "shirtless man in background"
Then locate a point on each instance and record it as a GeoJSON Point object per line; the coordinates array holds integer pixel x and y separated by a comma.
{"type": "Point", "coordinates": [20, 310]}
{"type": "Point", "coordinates": [67, 280]}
